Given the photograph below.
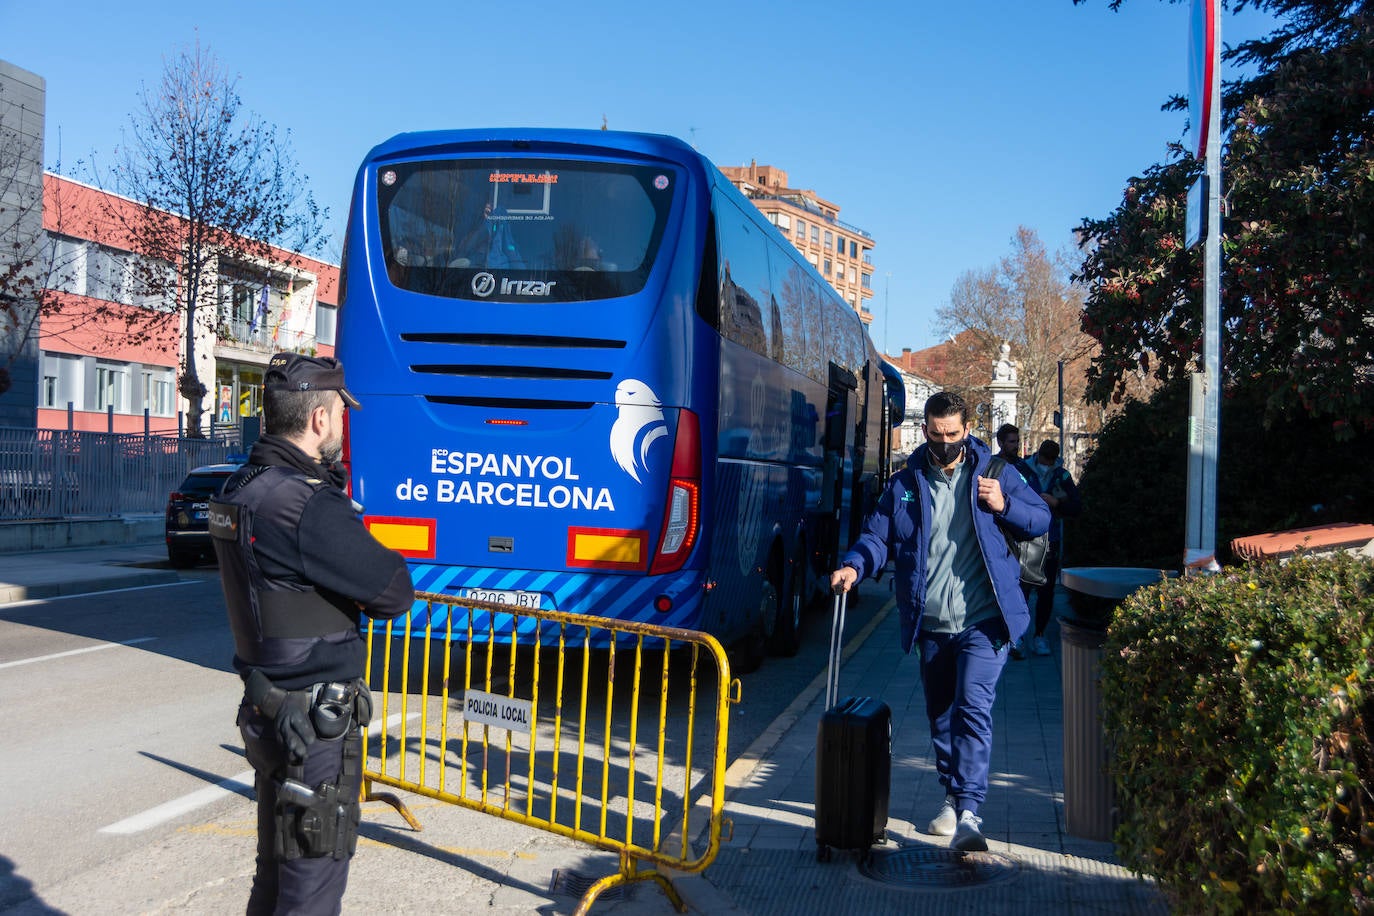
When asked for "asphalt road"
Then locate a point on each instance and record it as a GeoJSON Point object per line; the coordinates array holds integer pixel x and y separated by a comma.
{"type": "Point", "coordinates": [120, 714]}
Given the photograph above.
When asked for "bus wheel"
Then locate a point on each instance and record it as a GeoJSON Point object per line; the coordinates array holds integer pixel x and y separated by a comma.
{"type": "Point", "coordinates": [787, 631]}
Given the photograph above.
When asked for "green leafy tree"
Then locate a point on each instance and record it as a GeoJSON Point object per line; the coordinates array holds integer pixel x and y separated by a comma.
{"type": "Point", "coordinates": [1298, 271]}
{"type": "Point", "coordinates": [214, 185]}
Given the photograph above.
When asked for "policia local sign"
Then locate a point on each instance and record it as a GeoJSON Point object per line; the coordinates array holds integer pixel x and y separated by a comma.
{"type": "Point", "coordinates": [498, 711]}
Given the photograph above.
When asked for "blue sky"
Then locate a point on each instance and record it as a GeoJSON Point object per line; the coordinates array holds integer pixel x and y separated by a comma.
{"type": "Point", "coordinates": [937, 127]}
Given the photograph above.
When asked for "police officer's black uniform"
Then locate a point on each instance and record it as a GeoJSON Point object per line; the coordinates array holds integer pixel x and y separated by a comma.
{"type": "Point", "coordinates": [297, 565]}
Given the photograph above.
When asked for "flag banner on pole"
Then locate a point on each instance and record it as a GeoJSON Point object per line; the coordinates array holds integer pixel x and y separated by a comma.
{"type": "Point", "coordinates": [259, 318]}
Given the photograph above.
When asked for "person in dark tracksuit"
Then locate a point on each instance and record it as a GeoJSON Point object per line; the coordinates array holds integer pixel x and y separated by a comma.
{"type": "Point", "coordinates": [958, 589]}
{"type": "Point", "coordinates": [1009, 450]}
{"type": "Point", "coordinates": [1056, 487]}
{"type": "Point", "coordinates": [297, 566]}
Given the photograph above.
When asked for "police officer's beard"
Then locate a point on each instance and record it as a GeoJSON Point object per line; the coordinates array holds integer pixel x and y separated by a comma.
{"type": "Point", "coordinates": [331, 452]}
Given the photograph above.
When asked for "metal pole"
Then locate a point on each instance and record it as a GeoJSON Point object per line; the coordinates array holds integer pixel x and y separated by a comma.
{"type": "Point", "coordinates": [1200, 552]}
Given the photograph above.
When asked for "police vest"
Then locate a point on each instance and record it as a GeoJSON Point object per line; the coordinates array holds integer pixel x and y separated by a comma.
{"type": "Point", "coordinates": [275, 623]}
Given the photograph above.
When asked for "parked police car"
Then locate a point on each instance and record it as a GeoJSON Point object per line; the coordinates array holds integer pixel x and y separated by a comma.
{"type": "Point", "coordinates": [187, 525]}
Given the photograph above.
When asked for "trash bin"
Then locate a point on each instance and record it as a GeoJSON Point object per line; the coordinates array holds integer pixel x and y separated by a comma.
{"type": "Point", "coordinates": [1094, 593]}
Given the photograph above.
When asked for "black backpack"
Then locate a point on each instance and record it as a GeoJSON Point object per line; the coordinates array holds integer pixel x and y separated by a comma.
{"type": "Point", "coordinates": [1031, 553]}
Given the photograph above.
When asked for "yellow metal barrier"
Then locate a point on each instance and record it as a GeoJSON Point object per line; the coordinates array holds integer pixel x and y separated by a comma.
{"type": "Point", "coordinates": [503, 739]}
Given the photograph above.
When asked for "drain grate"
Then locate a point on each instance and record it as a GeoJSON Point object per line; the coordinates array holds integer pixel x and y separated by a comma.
{"type": "Point", "coordinates": [928, 868]}
{"type": "Point", "coordinates": [569, 883]}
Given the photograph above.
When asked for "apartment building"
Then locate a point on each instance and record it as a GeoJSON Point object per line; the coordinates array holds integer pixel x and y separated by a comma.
{"type": "Point", "coordinates": [842, 253]}
{"type": "Point", "coordinates": [96, 348]}
{"type": "Point", "coordinates": [111, 353]}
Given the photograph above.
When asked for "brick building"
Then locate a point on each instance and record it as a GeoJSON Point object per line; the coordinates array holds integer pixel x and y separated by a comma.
{"type": "Point", "coordinates": [104, 353]}
{"type": "Point", "coordinates": [842, 253]}
{"type": "Point", "coordinates": [111, 355]}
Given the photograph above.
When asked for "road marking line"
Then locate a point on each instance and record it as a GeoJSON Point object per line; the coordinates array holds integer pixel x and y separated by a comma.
{"type": "Point", "coordinates": [45, 658]}
{"type": "Point", "coordinates": [243, 782]}
{"type": "Point", "coordinates": [239, 784]}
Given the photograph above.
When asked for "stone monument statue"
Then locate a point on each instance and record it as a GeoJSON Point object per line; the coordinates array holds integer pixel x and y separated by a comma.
{"type": "Point", "coordinates": [1004, 388]}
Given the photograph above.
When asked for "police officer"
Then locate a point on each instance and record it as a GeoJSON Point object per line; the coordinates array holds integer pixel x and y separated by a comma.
{"type": "Point", "coordinates": [297, 565]}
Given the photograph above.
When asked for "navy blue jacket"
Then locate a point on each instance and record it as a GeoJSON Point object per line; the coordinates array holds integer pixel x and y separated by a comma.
{"type": "Point", "coordinates": [900, 528]}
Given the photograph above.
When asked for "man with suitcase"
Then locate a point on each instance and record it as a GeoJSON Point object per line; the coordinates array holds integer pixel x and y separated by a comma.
{"type": "Point", "coordinates": [958, 590]}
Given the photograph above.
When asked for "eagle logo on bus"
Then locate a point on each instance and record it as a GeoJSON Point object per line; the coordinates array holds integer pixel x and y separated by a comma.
{"type": "Point", "coordinates": [639, 426]}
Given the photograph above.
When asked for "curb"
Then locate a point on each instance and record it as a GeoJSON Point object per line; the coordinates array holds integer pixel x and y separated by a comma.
{"type": "Point", "coordinates": [10, 593]}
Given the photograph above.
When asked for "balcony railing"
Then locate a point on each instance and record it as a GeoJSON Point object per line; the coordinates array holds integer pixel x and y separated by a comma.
{"type": "Point", "coordinates": [260, 337]}
{"type": "Point", "coordinates": [801, 203]}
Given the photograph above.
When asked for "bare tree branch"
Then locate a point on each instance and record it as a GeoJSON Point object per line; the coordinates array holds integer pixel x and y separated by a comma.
{"type": "Point", "coordinates": [1027, 300]}
{"type": "Point", "coordinates": [211, 186]}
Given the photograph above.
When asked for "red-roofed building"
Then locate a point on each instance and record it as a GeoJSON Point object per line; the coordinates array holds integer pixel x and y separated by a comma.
{"type": "Point", "coordinates": [110, 355]}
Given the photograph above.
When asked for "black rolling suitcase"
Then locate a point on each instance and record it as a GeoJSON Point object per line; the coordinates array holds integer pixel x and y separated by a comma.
{"type": "Point", "coordinates": [853, 761]}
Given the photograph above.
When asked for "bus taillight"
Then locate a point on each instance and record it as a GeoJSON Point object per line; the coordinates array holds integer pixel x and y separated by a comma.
{"type": "Point", "coordinates": [682, 517]}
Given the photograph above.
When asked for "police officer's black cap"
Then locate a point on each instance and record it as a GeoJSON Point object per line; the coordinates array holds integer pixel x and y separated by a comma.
{"type": "Point", "coordinates": [298, 372]}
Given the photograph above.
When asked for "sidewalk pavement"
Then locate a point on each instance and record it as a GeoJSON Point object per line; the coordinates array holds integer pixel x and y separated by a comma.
{"type": "Point", "coordinates": [78, 570]}
{"type": "Point", "coordinates": [1033, 864]}
{"type": "Point", "coordinates": [769, 864]}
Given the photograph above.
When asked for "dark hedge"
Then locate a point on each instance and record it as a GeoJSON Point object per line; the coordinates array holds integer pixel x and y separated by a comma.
{"type": "Point", "coordinates": [1134, 487]}
{"type": "Point", "coordinates": [1239, 708]}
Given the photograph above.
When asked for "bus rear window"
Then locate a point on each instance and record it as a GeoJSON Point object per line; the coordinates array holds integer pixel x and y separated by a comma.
{"type": "Point", "coordinates": [516, 229]}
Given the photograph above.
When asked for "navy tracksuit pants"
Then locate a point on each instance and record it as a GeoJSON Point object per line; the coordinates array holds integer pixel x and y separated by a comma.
{"type": "Point", "coordinates": [959, 672]}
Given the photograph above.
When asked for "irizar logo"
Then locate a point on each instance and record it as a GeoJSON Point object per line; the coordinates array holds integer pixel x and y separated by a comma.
{"type": "Point", "coordinates": [527, 287]}
{"type": "Point", "coordinates": [639, 425]}
{"type": "Point", "coordinates": [484, 284]}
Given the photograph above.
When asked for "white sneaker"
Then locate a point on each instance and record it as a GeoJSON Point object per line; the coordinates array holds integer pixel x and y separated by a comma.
{"type": "Point", "coordinates": [1040, 647]}
{"type": "Point", "coordinates": [967, 836]}
{"type": "Point", "coordinates": [945, 821]}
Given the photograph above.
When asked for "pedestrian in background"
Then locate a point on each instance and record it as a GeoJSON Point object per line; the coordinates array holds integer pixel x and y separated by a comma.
{"type": "Point", "coordinates": [1056, 487]}
{"type": "Point", "coordinates": [1009, 450]}
{"type": "Point", "coordinates": [1009, 445]}
{"type": "Point", "coordinates": [297, 566]}
{"type": "Point", "coordinates": [958, 589]}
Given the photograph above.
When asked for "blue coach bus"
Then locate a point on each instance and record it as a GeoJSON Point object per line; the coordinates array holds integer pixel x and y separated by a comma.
{"type": "Point", "coordinates": [596, 379]}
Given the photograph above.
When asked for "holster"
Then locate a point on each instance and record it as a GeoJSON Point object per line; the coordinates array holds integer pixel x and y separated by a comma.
{"type": "Point", "coordinates": [323, 821]}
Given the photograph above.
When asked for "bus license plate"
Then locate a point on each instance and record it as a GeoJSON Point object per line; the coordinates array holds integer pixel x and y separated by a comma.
{"type": "Point", "coordinates": [499, 596]}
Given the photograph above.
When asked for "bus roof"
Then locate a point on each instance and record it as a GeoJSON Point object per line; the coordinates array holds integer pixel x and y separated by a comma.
{"type": "Point", "coordinates": [546, 139]}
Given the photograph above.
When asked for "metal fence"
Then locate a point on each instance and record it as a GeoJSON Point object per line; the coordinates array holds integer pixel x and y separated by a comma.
{"type": "Point", "coordinates": [622, 748]}
{"type": "Point", "coordinates": [54, 473]}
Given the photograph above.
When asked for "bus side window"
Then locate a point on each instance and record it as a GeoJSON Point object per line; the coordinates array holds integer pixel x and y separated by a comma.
{"type": "Point", "coordinates": [789, 311]}
{"type": "Point", "coordinates": [814, 362]}
{"type": "Point", "coordinates": [746, 288]}
{"type": "Point", "coordinates": [708, 287]}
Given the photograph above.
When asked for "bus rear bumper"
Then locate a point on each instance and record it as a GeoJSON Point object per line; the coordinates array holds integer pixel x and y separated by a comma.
{"type": "Point", "coordinates": [674, 600]}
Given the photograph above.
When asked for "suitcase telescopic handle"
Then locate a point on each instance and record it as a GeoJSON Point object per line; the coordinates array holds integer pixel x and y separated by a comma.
{"type": "Point", "coordinates": [832, 676]}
